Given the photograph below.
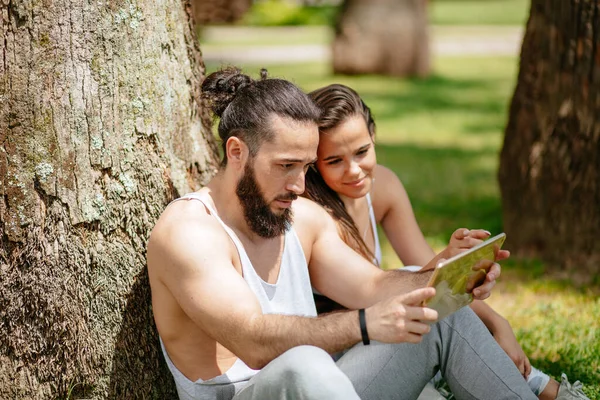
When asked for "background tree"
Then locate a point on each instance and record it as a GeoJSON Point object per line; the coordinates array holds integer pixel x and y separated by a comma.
{"type": "Point", "coordinates": [388, 37]}
{"type": "Point", "coordinates": [101, 125]}
{"type": "Point", "coordinates": [550, 164]}
{"type": "Point", "coordinates": [219, 11]}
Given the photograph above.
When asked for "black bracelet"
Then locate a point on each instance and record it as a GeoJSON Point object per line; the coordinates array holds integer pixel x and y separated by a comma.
{"type": "Point", "coordinates": [363, 326]}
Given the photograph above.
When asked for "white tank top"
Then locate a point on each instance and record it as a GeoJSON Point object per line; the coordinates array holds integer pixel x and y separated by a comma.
{"type": "Point", "coordinates": [377, 259]}
{"type": "Point", "coordinates": [291, 295]}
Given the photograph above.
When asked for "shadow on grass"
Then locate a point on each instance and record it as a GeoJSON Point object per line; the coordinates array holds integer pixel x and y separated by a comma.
{"type": "Point", "coordinates": [436, 93]}
{"type": "Point", "coordinates": [479, 99]}
{"type": "Point", "coordinates": [449, 187]}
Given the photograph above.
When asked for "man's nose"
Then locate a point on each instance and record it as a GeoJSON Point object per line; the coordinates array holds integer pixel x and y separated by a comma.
{"type": "Point", "coordinates": [296, 185]}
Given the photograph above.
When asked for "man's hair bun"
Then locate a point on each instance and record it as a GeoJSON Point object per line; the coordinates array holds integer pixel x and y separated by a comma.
{"type": "Point", "coordinates": [221, 87]}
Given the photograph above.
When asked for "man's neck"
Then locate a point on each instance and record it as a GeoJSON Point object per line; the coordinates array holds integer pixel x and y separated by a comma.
{"type": "Point", "coordinates": [222, 190]}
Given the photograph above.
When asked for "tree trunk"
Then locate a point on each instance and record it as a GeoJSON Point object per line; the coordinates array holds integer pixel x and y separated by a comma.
{"type": "Point", "coordinates": [387, 37]}
{"type": "Point", "coordinates": [219, 11]}
{"type": "Point", "coordinates": [101, 125]}
{"type": "Point", "coordinates": [550, 164]}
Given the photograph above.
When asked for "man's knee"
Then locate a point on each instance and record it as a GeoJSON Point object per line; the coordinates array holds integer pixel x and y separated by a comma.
{"type": "Point", "coordinates": [311, 367]}
{"type": "Point", "coordinates": [303, 372]}
{"type": "Point", "coordinates": [463, 316]}
{"type": "Point", "coordinates": [305, 361]}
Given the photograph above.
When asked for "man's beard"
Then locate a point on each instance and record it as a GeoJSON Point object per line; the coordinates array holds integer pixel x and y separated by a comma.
{"type": "Point", "coordinates": [257, 213]}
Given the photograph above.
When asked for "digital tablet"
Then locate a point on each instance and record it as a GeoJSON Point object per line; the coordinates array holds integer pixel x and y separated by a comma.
{"type": "Point", "coordinates": [455, 278]}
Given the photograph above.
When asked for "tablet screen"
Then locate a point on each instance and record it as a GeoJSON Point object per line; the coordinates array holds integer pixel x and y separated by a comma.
{"type": "Point", "coordinates": [455, 278]}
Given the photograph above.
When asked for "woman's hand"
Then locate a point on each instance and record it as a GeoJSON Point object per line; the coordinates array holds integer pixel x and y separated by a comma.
{"type": "Point", "coordinates": [506, 339]}
{"type": "Point", "coordinates": [463, 239]}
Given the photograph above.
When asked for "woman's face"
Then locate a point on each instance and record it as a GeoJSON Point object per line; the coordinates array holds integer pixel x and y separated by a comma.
{"type": "Point", "coordinates": [346, 157]}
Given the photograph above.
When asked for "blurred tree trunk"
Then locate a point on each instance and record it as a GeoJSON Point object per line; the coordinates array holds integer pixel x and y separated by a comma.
{"type": "Point", "coordinates": [219, 11]}
{"type": "Point", "coordinates": [550, 164]}
{"type": "Point", "coordinates": [387, 37]}
{"type": "Point", "coordinates": [101, 125]}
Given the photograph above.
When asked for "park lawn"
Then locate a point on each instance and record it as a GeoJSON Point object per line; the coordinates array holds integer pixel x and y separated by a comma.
{"type": "Point", "coordinates": [220, 37]}
{"type": "Point", "coordinates": [441, 12]}
{"type": "Point", "coordinates": [479, 12]}
{"type": "Point", "coordinates": [442, 136]}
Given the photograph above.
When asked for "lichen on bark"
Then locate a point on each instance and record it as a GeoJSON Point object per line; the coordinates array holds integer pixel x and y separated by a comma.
{"type": "Point", "coordinates": [100, 124]}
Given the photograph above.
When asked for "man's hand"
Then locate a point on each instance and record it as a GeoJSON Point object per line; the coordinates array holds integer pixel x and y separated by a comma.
{"type": "Point", "coordinates": [401, 318]}
{"type": "Point", "coordinates": [492, 271]}
{"type": "Point", "coordinates": [506, 339]}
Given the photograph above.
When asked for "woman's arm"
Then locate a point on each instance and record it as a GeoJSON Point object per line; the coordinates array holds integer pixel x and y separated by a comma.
{"type": "Point", "coordinates": [394, 212]}
{"type": "Point", "coordinates": [500, 328]}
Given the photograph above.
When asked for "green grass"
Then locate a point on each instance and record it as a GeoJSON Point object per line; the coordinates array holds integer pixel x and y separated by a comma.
{"type": "Point", "coordinates": [220, 37]}
{"type": "Point", "coordinates": [441, 12]}
{"type": "Point", "coordinates": [442, 136]}
{"type": "Point", "coordinates": [479, 12]}
{"type": "Point", "coordinates": [287, 13]}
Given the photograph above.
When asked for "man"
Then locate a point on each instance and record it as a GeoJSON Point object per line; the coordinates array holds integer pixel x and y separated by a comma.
{"type": "Point", "coordinates": [232, 295]}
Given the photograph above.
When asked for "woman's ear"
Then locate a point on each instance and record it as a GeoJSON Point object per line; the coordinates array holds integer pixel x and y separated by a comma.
{"type": "Point", "coordinates": [237, 151]}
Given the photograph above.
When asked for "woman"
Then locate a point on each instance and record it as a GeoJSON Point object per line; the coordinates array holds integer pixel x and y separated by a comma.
{"type": "Point", "coordinates": [360, 194]}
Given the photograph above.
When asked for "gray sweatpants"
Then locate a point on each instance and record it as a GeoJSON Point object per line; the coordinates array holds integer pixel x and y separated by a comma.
{"type": "Point", "coordinates": [460, 346]}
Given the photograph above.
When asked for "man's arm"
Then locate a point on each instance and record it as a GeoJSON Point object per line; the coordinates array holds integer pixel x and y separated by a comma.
{"type": "Point", "coordinates": [346, 277]}
{"type": "Point", "coordinates": [196, 267]}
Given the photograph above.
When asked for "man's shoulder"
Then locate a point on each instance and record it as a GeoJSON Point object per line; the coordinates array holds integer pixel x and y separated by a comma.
{"type": "Point", "coordinates": [305, 210]}
{"type": "Point", "coordinates": [186, 225]}
{"type": "Point", "coordinates": [183, 215]}
{"type": "Point", "coordinates": [310, 217]}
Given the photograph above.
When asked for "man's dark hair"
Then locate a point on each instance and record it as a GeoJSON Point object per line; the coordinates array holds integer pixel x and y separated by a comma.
{"type": "Point", "coordinates": [246, 106]}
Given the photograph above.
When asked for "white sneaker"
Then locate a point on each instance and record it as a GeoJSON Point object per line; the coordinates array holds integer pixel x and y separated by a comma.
{"type": "Point", "coordinates": [566, 391]}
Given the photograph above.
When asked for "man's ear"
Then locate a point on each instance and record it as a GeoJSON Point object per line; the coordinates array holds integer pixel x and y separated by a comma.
{"type": "Point", "coordinates": [237, 151]}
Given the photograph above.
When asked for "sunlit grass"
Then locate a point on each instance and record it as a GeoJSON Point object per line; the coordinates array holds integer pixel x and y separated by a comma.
{"type": "Point", "coordinates": [442, 136]}
{"type": "Point", "coordinates": [231, 36]}
{"type": "Point", "coordinates": [557, 325]}
{"type": "Point", "coordinates": [479, 12]}
{"type": "Point", "coordinates": [442, 12]}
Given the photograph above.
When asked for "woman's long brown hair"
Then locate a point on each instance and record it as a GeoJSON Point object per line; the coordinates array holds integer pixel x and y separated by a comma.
{"type": "Point", "coordinates": [338, 103]}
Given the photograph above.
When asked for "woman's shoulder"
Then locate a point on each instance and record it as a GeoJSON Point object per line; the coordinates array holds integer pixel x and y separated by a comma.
{"type": "Point", "coordinates": [383, 173]}
{"type": "Point", "coordinates": [386, 183]}
{"type": "Point", "coordinates": [387, 189]}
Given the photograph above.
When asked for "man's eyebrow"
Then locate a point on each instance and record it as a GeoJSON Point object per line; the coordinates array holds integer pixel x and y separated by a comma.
{"type": "Point", "coordinates": [297, 160]}
{"type": "Point", "coordinates": [290, 160]}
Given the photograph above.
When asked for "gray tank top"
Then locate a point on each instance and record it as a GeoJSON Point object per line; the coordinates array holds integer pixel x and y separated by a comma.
{"type": "Point", "coordinates": [291, 295]}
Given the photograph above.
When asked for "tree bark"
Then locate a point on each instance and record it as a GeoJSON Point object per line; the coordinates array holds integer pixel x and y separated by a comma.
{"type": "Point", "coordinates": [387, 37]}
{"type": "Point", "coordinates": [101, 125]}
{"type": "Point", "coordinates": [550, 163]}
